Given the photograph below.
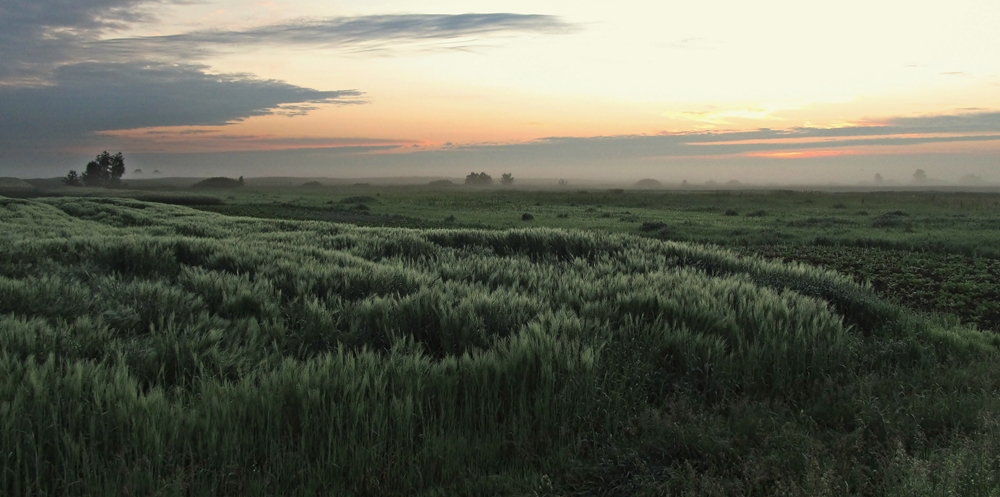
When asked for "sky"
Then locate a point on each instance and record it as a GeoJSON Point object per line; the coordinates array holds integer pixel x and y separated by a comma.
{"type": "Point", "coordinates": [759, 92]}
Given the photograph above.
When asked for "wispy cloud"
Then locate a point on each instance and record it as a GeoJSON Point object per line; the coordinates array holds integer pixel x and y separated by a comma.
{"type": "Point", "coordinates": [692, 43]}
{"type": "Point", "coordinates": [217, 139]}
{"type": "Point", "coordinates": [896, 132]}
{"type": "Point", "coordinates": [345, 33]}
{"type": "Point", "coordinates": [726, 116]}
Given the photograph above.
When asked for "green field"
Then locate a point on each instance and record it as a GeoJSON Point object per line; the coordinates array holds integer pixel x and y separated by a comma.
{"type": "Point", "coordinates": [393, 340]}
{"type": "Point", "coordinates": [931, 251]}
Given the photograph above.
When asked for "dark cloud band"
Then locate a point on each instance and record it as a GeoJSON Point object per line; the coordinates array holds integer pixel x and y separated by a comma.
{"type": "Point", "coordinates": [60, 82]}
{"type": "Point", "coordinates": [91, 97]}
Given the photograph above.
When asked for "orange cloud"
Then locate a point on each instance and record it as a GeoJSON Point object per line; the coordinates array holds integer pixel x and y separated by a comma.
{"type": "Point", "coordinates": [801, 154]}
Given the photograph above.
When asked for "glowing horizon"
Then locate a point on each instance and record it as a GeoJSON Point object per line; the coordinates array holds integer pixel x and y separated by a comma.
{"type": "Point", "coordinates": [370, 82]}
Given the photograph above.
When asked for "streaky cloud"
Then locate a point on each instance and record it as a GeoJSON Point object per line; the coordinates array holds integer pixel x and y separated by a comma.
{"type": "Point", "coordinates": [898, 131]}
{"type": "Point", "coordinates": [953, 123]}
{"type": "Point", "coordinates": [356, 33]}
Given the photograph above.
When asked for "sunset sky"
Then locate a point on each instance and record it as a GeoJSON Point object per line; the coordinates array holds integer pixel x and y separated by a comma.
{"type": "Point", "coordinates": [761, 92]}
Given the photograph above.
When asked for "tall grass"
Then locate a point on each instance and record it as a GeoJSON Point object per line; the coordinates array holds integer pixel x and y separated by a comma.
{"type": "Point", "coordinates": [153, 349]}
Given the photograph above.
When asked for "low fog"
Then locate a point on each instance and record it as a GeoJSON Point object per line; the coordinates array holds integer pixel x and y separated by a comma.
{"type": "Point", "coordinates": [886, 171]}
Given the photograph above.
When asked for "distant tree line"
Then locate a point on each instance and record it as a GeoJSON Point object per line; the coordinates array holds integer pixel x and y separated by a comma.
{"type": "Point", "coordinates": [483, 179]}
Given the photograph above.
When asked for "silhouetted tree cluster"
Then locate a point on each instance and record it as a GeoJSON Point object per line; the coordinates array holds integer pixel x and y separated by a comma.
{"type": "Point", "coordinates": [105, 170]}
{"type": "Point", "coordinates": [648, 183]}
{"type": "Point", "coordinates": [507, 179]}
{"type": "Point", "coordinates": [479, 179]}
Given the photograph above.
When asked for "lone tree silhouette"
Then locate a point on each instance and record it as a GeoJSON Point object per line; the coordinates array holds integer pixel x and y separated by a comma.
{"type": "Point", "coordinates": [507, 179]}
{"type": "Point", "coordinates": [105, 170]}
{"type": "Point", "coordinates": [72, 179]}
{"type": "Point", "coordinates": [920, 176]}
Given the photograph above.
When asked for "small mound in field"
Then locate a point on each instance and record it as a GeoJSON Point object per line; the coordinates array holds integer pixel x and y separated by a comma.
{"type": "Point", "coordinates": [15, 184]}
{"type": "Point", "coordinates": [358, 200]}
{"type": "Point", "coordinates": [219, 182]}
{"type": "Point", "coordinates": [181, 199]}
{"type": "Point", "coordinates": [652, 226]}
{"type": "Point", "coordinates": [889, 220]}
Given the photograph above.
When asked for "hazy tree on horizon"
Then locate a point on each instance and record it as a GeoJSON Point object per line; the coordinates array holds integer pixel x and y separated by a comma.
{"type": "Point", "coordinates": [563, 182]}
{"type": "Point", "coordinates": [879, 179]}
{"type": "Point", "coordinates": [507, 179]}
{"type": "Point", "coordinates": [479, 179]}
{"type": "Point", "coordinates": [919, 176]}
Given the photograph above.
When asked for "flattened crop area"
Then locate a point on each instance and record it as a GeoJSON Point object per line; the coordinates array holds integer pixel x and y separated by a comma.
{"type": "Point", "coordinates": [964, 286]}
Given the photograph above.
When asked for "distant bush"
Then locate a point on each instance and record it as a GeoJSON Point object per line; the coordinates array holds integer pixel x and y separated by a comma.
{"type": "Point", "coordinates": [181, 199]}
{"type": "Point", "coordinates": [892, 219]}
{"type": "Point", "coordinates": [732, 212]}
{"type": "Point", "coordinates": [819, 222]}
{"type": "Point", "coordinates": [527, 217]}
{"type": "Point", "coordinates": [562, 216]}
{"type": "Point", "coordinates": [757, 213]}
{"type": "Point", "coordinates": [652, 226]}
{"type": "Point", "coordinates": [360, 199]}
{"type": "Point", "coordinates": [507, 179]}
{"type": "Point", "coordinates": [648, 183]}
{"type": "Point", "coordinates": [219, 183]}
{"type": "Point", "coordinates": [441, 183]}
{"type": "Point", "coordinates": [478, 179]}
